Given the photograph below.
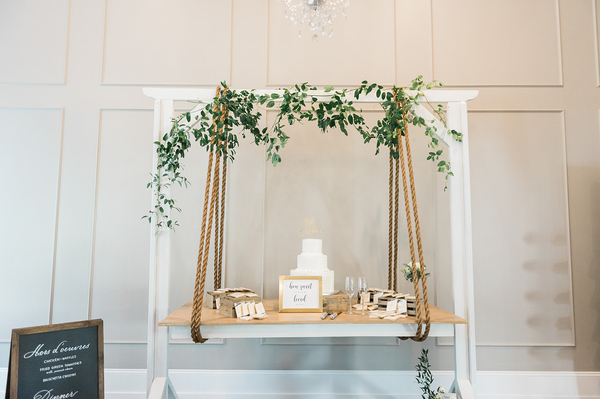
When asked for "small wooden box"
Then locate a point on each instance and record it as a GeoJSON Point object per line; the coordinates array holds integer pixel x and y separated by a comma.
{"type": "Point", "coordinates": [411, 305]}
{"type": "Point", "coordinates": [213, 299]}
{"type": "Point", "coordinates": [228, 303]}
{"type": "Point", "coordinates": [382, 302]}
{"type": "Point", "coordinates": [380, 291]}
{"type": "Point", "coordinates": [211, 296]}
{"type": "Point", "coordinates": [335, 303]}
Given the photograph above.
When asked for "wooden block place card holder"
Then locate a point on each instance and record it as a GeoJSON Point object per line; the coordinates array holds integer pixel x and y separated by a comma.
{"type": "Point", "coordinates": [229, 303]}
{"type": "Point", "coordinates": [213, 298]}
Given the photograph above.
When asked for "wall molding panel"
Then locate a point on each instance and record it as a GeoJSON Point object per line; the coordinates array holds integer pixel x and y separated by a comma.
{"type": "Point", "coordinates": [36, 41]}
{"type": "Point", "coordinates": [562, 331]}
{"type": "Point", "coordinates": [136, 53]}
{"type": "Point", "coordinates": [28, 241]}
{"type": "Point", "coordinates": [528, 61]}
{"type": "Point", "coordinates": [288, 55]}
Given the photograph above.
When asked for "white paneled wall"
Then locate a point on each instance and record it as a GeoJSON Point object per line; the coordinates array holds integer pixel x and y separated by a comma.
{"type": "Point", "coordinates": [75, 148]}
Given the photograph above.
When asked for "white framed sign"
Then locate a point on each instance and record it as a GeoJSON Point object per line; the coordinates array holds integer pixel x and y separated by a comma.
{"type": "Point", "coordinates": [300, 294]}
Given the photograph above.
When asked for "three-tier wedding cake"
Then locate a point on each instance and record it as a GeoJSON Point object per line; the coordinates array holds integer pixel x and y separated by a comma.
{"type": "Point", "coordinates": [312, 262]}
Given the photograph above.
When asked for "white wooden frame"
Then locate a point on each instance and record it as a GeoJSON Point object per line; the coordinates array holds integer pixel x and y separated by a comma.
{"type": "Point", "coordinates": [159, 385]}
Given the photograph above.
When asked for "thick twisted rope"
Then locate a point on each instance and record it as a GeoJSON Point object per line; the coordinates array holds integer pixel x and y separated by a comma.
{"type": "Point", "coordinates": [423, 316]}
{"type": "Point", "coordinates": [396, 210]}
{"type": "Point", "coordinates": [219, 221]}
{"type": "Point", "coordinates": [206, 230]}
{"type": "Point", "coordinates": [391, 223]}
{"type": "Point", "coordinates": [217, 226]}
{"type": "Point", "coordinates": [215, 198]}
{"type": "Point", "coordinates": [425, 303]}
{"type": "Point", "coordinates": [222, 221]}
{"type": "Point", "coordinates": [218, 258]}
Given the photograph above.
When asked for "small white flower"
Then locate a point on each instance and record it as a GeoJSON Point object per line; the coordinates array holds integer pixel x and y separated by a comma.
{"type": "Point", "coordinates": [442, 390]}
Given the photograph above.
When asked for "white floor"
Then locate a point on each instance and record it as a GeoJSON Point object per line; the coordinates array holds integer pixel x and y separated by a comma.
{"type": "Point", "coordinates": [317, 384]}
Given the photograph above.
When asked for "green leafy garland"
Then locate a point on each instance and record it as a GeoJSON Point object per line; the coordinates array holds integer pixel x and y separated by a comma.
{"type": "Point", "coordinates": [296, 104]}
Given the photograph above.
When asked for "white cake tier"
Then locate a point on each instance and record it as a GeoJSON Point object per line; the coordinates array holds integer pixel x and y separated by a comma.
{"type": "Point", "coordinates": [312, 262]}
{"type": "Point", "coordinates": [327, 278]}
{"type": "Point", "coordinates": [312, 246]}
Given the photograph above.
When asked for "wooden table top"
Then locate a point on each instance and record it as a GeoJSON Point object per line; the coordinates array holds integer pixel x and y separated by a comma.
{"type": "Point", "coordinates": [211, 317]}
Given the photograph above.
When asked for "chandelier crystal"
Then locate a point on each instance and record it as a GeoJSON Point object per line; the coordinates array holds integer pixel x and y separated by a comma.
{"type": "Point", "coordinates": [318, 14]}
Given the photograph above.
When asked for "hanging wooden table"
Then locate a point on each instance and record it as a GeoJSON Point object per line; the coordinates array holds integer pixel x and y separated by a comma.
{"type": "Point", "coordinates": [304, 325]}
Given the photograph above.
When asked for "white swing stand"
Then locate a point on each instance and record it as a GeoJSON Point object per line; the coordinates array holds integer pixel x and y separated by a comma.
{"type": "Point", "coordinates": [159, 384]}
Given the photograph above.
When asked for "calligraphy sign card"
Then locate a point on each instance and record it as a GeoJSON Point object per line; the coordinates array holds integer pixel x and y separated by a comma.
{"type": "Point", "coordinates": [57, 361]}
{"type": "Point", "coordinates": [300, 294]}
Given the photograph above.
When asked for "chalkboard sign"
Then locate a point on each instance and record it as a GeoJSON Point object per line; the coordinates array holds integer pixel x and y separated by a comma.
{"type": "Point", "coordinates": [57, 361]}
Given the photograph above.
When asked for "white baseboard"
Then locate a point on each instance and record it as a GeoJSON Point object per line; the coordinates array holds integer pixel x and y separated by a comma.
{"type": "Point", "coordinates": [321, 384]}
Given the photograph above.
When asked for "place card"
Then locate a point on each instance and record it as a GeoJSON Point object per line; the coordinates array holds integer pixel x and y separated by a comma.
{"type": "Point", "coordinates": [364, 298]}
{"type": "Point", "coordinates": [392, 305]}
{"type": "Point", "coordinates": [376, 296]}
{"type": "Point", "coordinates": [401, 306]}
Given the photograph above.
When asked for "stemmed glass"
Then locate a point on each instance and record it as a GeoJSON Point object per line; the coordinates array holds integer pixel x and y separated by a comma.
{"type": "Point", "coordinates": [362, 289]}
{"type": "Point", "coordinates": [350, 291]}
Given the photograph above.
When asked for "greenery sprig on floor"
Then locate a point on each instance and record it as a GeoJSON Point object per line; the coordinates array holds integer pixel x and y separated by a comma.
{"type": "Point", "coordinates": [214, 125]}
{"type": "Point", "coordinates": [425, 379]}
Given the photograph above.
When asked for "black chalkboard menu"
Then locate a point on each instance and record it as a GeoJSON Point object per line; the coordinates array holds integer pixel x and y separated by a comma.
{"type": "Point", "coordinates": [57, 361]}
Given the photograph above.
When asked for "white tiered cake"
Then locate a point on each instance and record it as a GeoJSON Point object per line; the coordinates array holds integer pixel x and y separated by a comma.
{"type": "Point", "coordinates": [312, 262]}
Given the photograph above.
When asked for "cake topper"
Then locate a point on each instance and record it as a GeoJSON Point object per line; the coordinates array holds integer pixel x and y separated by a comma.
{"type": "Point", "coordinates": [310, 227]}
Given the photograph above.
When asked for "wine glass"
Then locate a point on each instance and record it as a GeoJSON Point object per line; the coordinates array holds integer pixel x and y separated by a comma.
{"type": "Point", "coordinates": [362, 289]}
{"type": "Point", "coordinates": [350, 291]}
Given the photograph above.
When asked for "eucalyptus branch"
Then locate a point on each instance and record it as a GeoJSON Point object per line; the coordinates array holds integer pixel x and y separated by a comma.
{"type": "Point", "coordinates": [425, 378]}
{"type": "Point", "coordinates": [213, 127]}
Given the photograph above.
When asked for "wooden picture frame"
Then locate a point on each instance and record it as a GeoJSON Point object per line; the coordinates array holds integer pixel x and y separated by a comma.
{"type": "Point", "coordinates": [306, 296]}
{"type": "Point", "coordinates": [57, 359]}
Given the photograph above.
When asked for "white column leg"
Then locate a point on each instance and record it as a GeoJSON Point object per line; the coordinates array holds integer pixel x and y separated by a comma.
{"type": "Point", "coordinates": [461, 245]}
{"type": "Point", "coordinates": [159, 270]}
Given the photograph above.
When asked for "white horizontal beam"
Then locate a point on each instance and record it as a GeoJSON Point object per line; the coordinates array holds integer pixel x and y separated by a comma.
{"type": "Point", "coordinates": [312, 331]}
{"type": "Point", "coordinates": [206, 95]}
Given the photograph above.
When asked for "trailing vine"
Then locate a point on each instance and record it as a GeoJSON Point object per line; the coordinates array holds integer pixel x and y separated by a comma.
{"type": "Point", "coordinates": [425, 378]}
{"type": "Point", "coordinates": [214, 129]}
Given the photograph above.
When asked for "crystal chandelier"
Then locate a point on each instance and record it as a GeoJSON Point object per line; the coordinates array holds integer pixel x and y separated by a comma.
{"type": "Point", "coordinates": [318, 14]}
